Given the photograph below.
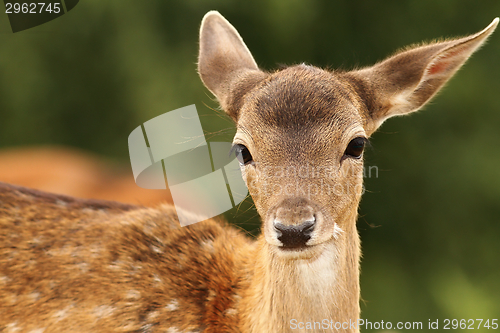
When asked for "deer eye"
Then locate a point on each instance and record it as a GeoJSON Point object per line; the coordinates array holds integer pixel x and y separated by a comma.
{"type": "Point", "coordinates": [355, 147]}
{"type": "Point", "coordinates": [242, 154]}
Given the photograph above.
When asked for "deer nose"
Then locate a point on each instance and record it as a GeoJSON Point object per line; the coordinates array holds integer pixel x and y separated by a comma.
{"type": "Point", "coordinates": [294, 236]}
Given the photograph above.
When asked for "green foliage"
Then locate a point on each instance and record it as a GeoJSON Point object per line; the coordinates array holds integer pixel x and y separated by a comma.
{"type": "Point", "coordinates": [430, 220]}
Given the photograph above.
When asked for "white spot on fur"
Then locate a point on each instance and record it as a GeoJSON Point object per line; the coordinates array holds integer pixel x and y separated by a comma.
{"type": "Point", "coordinates": [173, 305]}
{"type": "Point", "coordinates": [146, 328]}
{"type": "Point", "coordinates": [12, 328]}
{"type": "Point", "coordinates": [152, 315]}
{"type": "Point", "coordinates": [36, 241]}
{"type": "Point", "coordinates": [103, 311]}
{"type": "Point", "coordinates": [133, 294]}
{"type": "Point", "coordinates": [337, 231]}
{"type": "Point", "coordinates": [38, 330]}
{"type": "Point", "coordinates": [87, 210]}
{"type": "Point", "coordinates": [136, 268]}
{"type": "Point", "coordinates": [208, 245]}
{"type": "Point", "coordinates": [173, 330]}
{"type": "Point", "coordinates": [231, 312]}
{"type": "Point", "coordinates": [116, 265]}
{"type": "Point", "coordinates": [4, 279]}
{"type": "Point", "coordinates": [211, 295]}
{"type": "Point", "coordinates": [157, 279]}
{"type": "Point", "coordinates": [35, 296]}
{"type": "Point", "coordinates": [155, 249]}
{"type": "Point", "coordinates": [61, 314]}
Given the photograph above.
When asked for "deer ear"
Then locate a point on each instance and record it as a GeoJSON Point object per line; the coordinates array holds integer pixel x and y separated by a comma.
{"type": "Point", "coordinates": [225, 64]}
{"type": "Point", "coordinates": [406, 81]}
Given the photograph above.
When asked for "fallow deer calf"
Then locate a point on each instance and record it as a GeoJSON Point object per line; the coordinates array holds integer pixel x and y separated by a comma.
{"type": "Point", "coordinates": [68, 265]}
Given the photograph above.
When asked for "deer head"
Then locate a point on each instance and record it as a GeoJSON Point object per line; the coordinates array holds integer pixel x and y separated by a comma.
{"type": "Point", "coordinates": [301, 130]}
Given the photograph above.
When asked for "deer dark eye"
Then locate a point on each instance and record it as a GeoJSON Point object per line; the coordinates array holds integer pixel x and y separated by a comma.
{"type": "Point", "coordinates": [242, 154]}
{"type": "Point", "coordinates": [355, 147]}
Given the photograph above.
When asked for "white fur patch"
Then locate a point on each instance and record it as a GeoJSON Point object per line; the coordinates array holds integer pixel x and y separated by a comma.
{"type": "Point", "coordinates": [152, 315]}
{"type": "Point", "coordinates": [155, 249]}
{"type": "Point", "coordinates": [34, 296]}
{"type": "Point", "coordinates": [38, 330]}
{"type": "Point", "coordinates": [61, 314]}
{"type": "Point", "coordinates": [157, 279]}
{"type": "Point", "coordinates": [173, 305]}
{"type": "Point", "coordinates": [116, 265]}
{"type": "Point", "coordinates": [319, 275]}
{"type": "Point", "coordinates": [337, 231]}
{"type": "Point", "coordinates": [4, 280]}
{"type": "Point", "coordinates": [208, 245]}
{"type": "Point", "coordinates": [103, 311]}
{"type": "Point", "coordinates": [231, 312]}
{"type": "Point", "coordinates": [133, 294]}
{"type": "Point", "coordinates": [12, 328]}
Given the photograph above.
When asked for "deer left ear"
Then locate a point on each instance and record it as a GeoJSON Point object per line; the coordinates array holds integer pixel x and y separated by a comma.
{"type": "Point", "coordinates": [406, 81]}
{"type": "Point", "coordinates": [225, 64]}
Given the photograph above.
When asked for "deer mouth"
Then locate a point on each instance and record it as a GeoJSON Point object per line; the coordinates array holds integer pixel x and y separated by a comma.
{"type": "Point", "coordinates": [298, 248]}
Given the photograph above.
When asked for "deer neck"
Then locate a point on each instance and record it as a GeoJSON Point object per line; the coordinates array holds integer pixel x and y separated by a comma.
{"type": "Point", "coordinates": [282, 295]}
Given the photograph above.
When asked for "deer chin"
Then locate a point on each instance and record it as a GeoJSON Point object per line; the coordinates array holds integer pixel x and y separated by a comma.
{"type": "Point", "coordinates": [304, 253]}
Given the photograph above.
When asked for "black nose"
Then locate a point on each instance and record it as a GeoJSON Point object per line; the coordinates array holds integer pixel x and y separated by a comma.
{"type": "Point", "coordinates": [294, 236]}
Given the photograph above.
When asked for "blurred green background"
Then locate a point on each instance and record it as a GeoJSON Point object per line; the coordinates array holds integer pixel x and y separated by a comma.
{"type": "Point", "coordinates": [429, 222]}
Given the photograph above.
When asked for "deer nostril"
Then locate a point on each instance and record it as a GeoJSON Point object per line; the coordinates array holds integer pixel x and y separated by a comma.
{"type": "Point", "coordinates": [294, 236]}
{"type": "Point", "coordinates": [308, 228]}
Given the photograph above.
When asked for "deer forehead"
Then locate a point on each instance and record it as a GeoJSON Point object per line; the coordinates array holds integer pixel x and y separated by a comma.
{"type": "Point", "coordinates": [301, 109]}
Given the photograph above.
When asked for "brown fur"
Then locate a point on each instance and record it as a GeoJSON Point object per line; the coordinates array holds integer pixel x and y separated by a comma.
{"type": "Point", "coordinates": [72, 265]}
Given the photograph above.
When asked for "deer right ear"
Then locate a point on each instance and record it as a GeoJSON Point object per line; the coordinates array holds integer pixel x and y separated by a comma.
{"type": "Point", "coordinates": [406, 81]}
{"type": "Point", "coordinates": [225, 64]}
